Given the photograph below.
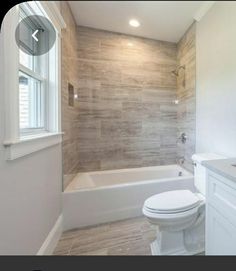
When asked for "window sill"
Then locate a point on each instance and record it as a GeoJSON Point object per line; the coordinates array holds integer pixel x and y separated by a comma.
{"type": "Point", "coordinates": [31, 144]}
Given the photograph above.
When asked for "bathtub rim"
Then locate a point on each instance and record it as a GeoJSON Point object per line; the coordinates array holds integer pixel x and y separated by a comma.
{"type": "Point", "coordinates": [161, 167]}
{"type": "Point", "coordinates": [188, 175]}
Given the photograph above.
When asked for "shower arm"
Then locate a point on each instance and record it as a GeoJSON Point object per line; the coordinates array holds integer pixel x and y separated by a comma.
{"type": "Point", "coordinates": [176, 71]}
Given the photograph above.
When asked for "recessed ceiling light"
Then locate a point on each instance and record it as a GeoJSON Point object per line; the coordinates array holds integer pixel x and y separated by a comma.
{"type": "Point", "coordinates": [134, 23]}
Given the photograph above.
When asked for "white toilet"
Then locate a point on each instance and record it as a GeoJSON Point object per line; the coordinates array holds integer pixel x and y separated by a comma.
{"type": "Point", "coordinates": [180, 215]}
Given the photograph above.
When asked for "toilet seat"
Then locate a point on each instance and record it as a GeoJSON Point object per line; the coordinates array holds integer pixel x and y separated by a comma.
{"type": "Point", "coordinates": [172, 202]}
{"type": "Point", "coordinates": [171, 217]}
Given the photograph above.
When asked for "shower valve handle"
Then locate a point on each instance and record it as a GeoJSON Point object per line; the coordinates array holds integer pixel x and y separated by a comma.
{"type": "Point", "coordinates": [182, 138]}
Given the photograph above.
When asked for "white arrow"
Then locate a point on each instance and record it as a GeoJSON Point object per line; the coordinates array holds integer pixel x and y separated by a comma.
{"type": "Point", "coordinates": [34, 35]}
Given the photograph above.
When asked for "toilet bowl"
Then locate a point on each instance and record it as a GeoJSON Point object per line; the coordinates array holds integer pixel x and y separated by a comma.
{"type": "Point", "coordinates": [180, 215]}
{"type": "Point", "coordinates": [175, 212]}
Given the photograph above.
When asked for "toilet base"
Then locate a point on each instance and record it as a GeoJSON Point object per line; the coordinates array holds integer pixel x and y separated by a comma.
{"type": "Point", "coordinates": [156, 251]}
{"type": "Point", "coordinates": [172, 243]}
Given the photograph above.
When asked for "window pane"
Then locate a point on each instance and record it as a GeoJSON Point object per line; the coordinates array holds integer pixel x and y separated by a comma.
{"type": "Point", "coordinates": [26, 60]}
{"type": "Point", "coordinates": [31, 102]}
{"type": "Point", "coordinates": [27, 28]}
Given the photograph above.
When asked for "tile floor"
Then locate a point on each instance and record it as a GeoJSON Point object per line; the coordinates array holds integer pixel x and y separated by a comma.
{"type": "Point", "coordinates": [126, 237]}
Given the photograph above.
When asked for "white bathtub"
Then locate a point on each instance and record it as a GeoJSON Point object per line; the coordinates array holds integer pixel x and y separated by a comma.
{"type": "Point", "coordinates": [105, 196]}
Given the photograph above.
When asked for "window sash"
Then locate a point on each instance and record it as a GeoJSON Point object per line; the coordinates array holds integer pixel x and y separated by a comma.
{"type": "Point", "coordinates": [39, 70]}
{"type": "Point", "coordinates": [36, 107]}
{"type": "Point", "coordinates": [31, 73]}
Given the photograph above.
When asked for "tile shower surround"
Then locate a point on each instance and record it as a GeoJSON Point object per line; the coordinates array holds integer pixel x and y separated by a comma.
{"type": "Point", "coordinates": [124, 115]}
{"type": "Point", "coordinates": [186, 82]}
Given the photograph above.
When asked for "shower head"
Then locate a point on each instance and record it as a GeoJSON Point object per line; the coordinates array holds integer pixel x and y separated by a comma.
{"type": "Point", "coordinates": [176, 71]}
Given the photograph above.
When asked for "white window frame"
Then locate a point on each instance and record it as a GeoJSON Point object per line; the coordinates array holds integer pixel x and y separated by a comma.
{"type": "Point", "coordinates": [15, 144]}
{"type": "Point", "coordinates": [32, 8]}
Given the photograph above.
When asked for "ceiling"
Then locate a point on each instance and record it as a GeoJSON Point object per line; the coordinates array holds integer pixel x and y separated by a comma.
{"type": "Point", "coordinates": [160, 20]}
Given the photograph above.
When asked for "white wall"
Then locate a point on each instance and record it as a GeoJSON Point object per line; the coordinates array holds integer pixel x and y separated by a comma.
{"type": "Point", "coordinates": [30, 193]}
{"type": "Point", "coordinates": [216, 80]}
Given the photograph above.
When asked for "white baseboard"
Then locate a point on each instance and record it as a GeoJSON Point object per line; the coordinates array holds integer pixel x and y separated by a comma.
{"type": "Point", "coordinates": [52, 239]}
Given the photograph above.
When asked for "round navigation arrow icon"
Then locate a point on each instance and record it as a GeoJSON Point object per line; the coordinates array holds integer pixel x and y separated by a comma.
{"type": "Point", "coordinates": [35, 35]}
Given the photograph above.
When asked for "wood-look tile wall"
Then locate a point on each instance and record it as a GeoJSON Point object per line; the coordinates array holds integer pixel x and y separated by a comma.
{"type": "Point", "coordinates": [186, 84]}
{"type": "Point", "coordinates": [69, 74]}
{"type": "Point", "coordinates": [126, 115]}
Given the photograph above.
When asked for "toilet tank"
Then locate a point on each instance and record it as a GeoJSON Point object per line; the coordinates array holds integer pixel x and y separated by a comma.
{"type": "Point", "coordinates": [200, 171]}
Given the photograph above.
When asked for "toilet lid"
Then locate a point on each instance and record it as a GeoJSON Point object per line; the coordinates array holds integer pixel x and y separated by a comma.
{"type": "Point", "coordinates": [172, 202]}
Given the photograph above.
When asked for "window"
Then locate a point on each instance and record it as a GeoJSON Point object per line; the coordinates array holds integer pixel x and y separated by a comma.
{"type": "Point", "coordinates": [31, 80]}
{"type": "Point", "coordinates": [31, 105]}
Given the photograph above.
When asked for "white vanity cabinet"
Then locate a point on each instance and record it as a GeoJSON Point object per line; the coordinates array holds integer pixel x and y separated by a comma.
{"type": "Point", "coordinates": [220, 215]}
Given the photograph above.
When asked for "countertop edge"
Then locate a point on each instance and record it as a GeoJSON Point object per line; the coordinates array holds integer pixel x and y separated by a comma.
{"type": "Point", "coordinates": [222, 167]}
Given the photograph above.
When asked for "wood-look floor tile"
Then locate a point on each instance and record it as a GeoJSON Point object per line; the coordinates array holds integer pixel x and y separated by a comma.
{"type": "Point", "coordinates": [100, 252]}
{"type": "Point", "coordinates": [63, 246]}
{"type": "Point", "coordinates": [138, 247]}
{"type": "Point", "coordinates": [126, 237]}
{"type": "Point", "coordinates": [103, 241]}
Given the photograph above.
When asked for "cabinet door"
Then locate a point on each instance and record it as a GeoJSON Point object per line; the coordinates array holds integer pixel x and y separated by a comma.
{"type": "Point", "coordinates": [220, 234]}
